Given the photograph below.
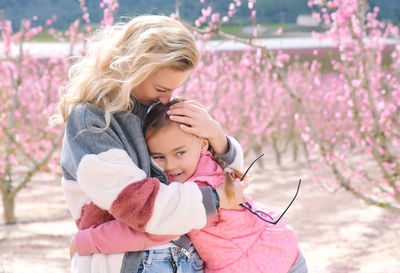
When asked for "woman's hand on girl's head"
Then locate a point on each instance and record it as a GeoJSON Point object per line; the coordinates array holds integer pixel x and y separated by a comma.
{"type": "Point", "coordinates": [236, 200]}
{"type": "Point", "coordinates": [197, 121]}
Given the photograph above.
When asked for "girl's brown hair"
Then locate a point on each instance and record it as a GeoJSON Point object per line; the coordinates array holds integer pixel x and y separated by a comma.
{"type": "Point", "coordinates": [157, 118]}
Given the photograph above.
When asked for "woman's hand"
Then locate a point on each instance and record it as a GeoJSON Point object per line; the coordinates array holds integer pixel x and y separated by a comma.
{"type": "Point", "coordinates": [72, 247]}
{"type": "Point", "coordinates": [197, 121]}
{"type": "Point", "coordinates": [236, 200]}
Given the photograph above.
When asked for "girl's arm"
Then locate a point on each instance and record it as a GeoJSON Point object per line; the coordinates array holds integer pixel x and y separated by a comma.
{"type": "Point", "coordinates": [116, 237]}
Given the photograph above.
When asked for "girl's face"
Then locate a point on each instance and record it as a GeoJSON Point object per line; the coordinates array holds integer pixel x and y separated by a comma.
{"type": "Point", "coordinates": [159, 86]}
{"type": "Point", "coordinates": [175, 151]}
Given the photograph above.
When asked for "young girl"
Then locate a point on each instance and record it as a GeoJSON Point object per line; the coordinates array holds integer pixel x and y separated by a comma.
{"type": "Point", "coordinates": [234, 240]}
{"type": "Point", "coordinates": [107, 173]}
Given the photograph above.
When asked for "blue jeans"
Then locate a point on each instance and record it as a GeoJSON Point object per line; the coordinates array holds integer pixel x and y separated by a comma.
{"type": "Point", "coordinates": [170, 260]}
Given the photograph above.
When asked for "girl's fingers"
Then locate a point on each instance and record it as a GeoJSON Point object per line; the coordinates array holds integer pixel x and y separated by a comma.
{"type": "Point", "coordinates": [244, 184]}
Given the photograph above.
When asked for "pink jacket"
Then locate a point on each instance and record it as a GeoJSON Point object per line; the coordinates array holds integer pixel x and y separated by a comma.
{"type": "Point", "coordinates": [233, 241]}
{"type": "Point", "coordinates": [240, 241]}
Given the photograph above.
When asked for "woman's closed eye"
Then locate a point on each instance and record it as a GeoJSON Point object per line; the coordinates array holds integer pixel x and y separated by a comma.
{"type": "Point", "coordinates": [161, 90]}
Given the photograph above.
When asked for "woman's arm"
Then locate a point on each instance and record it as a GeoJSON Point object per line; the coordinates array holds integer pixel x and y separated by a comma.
{"type": "Point", "coordinates": [117, 237]}
{"type": "Point", "coordinates": [99, 172]}
{"type": "Point", "coordinates": [234, 156]}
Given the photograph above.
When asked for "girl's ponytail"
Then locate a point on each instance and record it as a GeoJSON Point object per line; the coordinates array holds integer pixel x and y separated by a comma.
{"type": "Point", "coordinates": [229, 182]}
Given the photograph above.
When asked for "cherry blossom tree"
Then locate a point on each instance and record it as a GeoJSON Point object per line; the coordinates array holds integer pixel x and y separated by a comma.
{"type": "Point", "coordinates": [28, 97]}
{"type": "Point", "coordinates": [29, 94]}
{"type": "Point", "coordinates": [347, 119]}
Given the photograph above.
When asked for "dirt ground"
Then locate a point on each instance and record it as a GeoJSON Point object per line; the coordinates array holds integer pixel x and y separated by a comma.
{"type": "Point", "coordinates": [337, 233]}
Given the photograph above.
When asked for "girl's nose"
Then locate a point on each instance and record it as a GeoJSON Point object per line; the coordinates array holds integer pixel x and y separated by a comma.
{"type": "Point", "coordinates": [169, 166]}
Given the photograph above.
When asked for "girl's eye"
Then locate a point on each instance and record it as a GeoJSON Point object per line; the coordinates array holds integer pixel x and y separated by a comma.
{"type": "Point", "coordinates": [159, 157]}
{"type": "Point", "coordinates": [180, 153]}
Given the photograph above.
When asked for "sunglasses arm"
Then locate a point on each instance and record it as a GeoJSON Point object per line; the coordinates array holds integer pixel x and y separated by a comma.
{"type": "Point", "coordinates": [291, 202]}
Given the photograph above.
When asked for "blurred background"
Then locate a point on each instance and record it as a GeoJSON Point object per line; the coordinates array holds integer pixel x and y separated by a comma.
{"type": "Point", "coordinates": [314, 85]}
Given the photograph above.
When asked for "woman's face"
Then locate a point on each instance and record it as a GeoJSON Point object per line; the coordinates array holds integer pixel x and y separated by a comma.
{"type": "Point", "coordinates": [159, 86]}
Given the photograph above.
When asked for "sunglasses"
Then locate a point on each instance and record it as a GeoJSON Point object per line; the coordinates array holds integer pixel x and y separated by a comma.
{"type": "Point", "coordinates": [262, 214]}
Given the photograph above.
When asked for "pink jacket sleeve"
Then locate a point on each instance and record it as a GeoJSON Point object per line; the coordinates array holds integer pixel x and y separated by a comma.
{"type": "Point", "coordinates": [116, 237]}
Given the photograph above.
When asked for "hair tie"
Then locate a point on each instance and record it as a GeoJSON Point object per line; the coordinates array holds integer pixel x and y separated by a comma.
{"type": "Point", "coordinates": [227, 170]}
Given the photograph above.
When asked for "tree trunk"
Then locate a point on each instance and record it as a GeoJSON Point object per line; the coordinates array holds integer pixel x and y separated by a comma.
{"type": "Point", "coordinates": [306, 151]}
{"type": "Point", "coordinates": [295, 150]}
{"type": "Point", "coordinates": [276, 150]}
{"type": "Point", "coordinates": [9, 208]}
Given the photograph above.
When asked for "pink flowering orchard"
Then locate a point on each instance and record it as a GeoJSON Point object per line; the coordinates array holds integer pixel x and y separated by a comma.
{"type": "Point", "coordinates": [29, 92]}
{"type": "Point", "coordinates": [29, 95]}
{"type": "Point", "coordinates": [360, 140]}
{"type": "Point", "coordinates": [345, 121]}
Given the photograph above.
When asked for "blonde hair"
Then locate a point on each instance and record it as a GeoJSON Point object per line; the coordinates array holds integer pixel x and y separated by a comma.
{"type": "Point", "coordinates": [121, 57]}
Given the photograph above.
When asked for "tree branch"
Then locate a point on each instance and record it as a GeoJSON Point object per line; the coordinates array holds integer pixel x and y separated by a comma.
{"type": "Point", "coordinates": [37, 166]}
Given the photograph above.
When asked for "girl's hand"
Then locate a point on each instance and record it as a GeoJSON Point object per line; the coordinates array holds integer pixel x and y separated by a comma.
{"type": "Point", "coordinates": [238, 198]}
{"type": "Point", "coordinates": [72, 247]}
{"type": "Point", "coordinates": [197, 121]}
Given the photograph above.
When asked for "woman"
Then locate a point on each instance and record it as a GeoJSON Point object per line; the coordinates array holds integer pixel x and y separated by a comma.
{"type": "Point", "coordinates": [108, 177]}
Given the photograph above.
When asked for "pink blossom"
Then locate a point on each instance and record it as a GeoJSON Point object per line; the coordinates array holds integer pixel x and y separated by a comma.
{"type": "Point", "coordinates": [27, 24]}
{"type": "Point", "coordinates": [255, 33]}
{"type": "Point", "coordinates": [215, 17]}
{"type": "Point", "coordinates": [356, 83]}
{"type": "Point", "coordinates": [86, 17]}
{"type": "Point", "coordinates": [206, 12]}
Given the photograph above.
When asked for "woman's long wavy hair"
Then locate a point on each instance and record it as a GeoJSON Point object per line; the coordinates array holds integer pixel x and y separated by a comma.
{"type": "Point", "coordinates": [121, 57]}
{"type": "Point", "coordinates": [157, 118]}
